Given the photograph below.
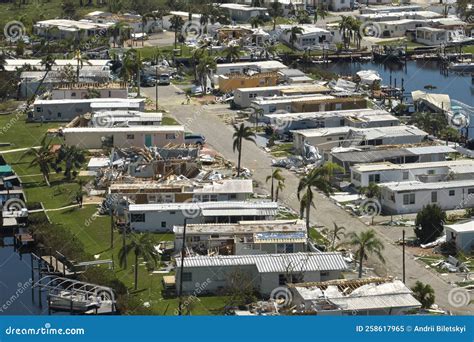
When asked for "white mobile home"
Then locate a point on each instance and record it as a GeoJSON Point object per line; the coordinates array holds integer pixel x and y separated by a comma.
{"type": "Point", "coordinates": [462, 233]}
{"type": "Point", "coordinates": [369, 154]}
{"type": "Point", "coordinates": [243, 97]}
{"type": "Point", "coordinates": [243, 67]}
{"type": "Point", "coordinates": [364, 174]}
{"type": "Point", "coordinates": [411, 197]}
{"type": "Point", "coordinates": [399, 28]}
{"type": "Point", "coordinates": [244, 237]}
{"type": "Point", "coordinates": [68, 109]}
{"type": "Point", "coordinates": [312, 37]}
{"type": "Point", "coordinates": [75, 29]}
{"type": "Point", "coordinates": [127, 118]}
{"type": "Point", "coordinates": [242, 13]}
{"type": "Point", "coordinates": [266, 271]}
{"type": "Point", "coordinates": [134, 136]}
{"type": "Point", "coordinates": [163, 217]}
{"type": "Point", "coordinates": [269, 105]}
{"type": "Point", "coordinates": [286, 122]}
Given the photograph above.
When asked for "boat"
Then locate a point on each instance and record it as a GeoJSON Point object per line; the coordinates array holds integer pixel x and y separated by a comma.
{"type": "Point", "coordinates": [389, 54]}
{"type": "Point", "coordinates": [80, 302]}
{"type": "Point", "coordinates": [462, 67]}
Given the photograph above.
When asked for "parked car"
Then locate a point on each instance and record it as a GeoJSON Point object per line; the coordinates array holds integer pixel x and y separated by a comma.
{"type": "Point", "coordinates": [148, 82]}
{"type": "Point", "coordinates": [194, 139]}
{"type": "Point", "coordinates": [164, 79]}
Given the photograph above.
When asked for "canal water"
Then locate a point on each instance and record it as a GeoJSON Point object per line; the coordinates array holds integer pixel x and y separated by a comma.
{"type": "Point", "coordinates": [416, 74]}
{"type": "Point", "coordinates": [16, 282]}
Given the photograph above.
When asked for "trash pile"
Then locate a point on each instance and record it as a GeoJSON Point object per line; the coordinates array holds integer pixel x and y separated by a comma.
{"type": "Point", "coordinates": [451, 264]}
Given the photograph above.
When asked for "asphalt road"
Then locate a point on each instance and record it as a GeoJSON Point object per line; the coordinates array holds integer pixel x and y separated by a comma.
{"type": "Point", "coordinates": [205, 120]}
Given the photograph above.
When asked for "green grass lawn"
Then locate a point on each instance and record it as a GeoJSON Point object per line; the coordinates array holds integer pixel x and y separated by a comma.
{"type": "Point", "coordinates": [38, 10]}
{"type": "Point", "coordinates": [94, 232]}
{"type": "Point", "coordinates": [282, 150]}
{"type": "Point", "coordinates": [19, 134]}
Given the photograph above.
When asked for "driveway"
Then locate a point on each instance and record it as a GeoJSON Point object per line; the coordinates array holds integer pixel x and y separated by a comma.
{"type": "Point", "coordinates": [206, 120]}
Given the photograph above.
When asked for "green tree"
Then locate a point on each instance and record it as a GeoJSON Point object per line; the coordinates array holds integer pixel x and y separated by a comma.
{"type": "Point", "coordinates": [335, 234]}
{"type": "Point", "coordinates": [275, 11]}
{"type": "Point", "coordinates": [80, 60]}
{"type": "Point", "coordinates": [145, 17]}
{"type": "Point", "coordinates": [142, 246]}
{"type": "Point", "coordinates": [371, 191]}
{"type": "Point", "coordinates": [450, 134]}
{"type": "Point", "coordinates": [276, 176]}
{"type": "Point", "coordinates": [256, 21]}
{"type": "Point", "coordinates": [132, 65]}
{"type": "Point", "coordinates": [43, 158]}
{"type": "Point", "coordinates": [319, 12]}
{"type": "Point", "coordinates": [432, 123]}
{"type": "Point", "coordinates": [206, 66]}
{"type": "Point", "coordinates": [366, 243]}
{"type": "Point", "coordinates": [429, 223]}
{"type": "Point", "coordinates": [424, 293]}
{"type": "Point", "coordinates": [319, 178]}
{"type": "Point", "coordinates": [232, 53]}
{"type": "Point", "coordinates": [176, 24]}
{"type": "Point", "coordinates": [294, 32]}
{"type": "Point", "coordinates": [241, 133]}
{"type": "Point", "coordinates": [345, 28]}
{"type": "Point", "coordinates": [73, 158]}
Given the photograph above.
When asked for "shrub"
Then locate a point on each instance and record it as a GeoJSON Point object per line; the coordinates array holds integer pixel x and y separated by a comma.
{"type": "Point", "coordinates": [429, 223]}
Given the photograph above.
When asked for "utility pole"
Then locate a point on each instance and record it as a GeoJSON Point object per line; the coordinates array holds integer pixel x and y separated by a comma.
{"type": "Point", "coordinates": [183, 252]}
{"type": "Point", "coordinates": [403, 256]}
{"type": "Point", "coordinates": [156, 90]}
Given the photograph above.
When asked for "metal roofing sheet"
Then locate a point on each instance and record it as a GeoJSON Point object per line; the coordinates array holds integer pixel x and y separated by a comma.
{"type": "Point", "coordinates": [272, 263]}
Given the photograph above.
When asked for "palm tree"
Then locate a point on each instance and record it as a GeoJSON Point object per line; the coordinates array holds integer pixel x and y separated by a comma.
{"type": "Point", "coordinates": [47, 63]}
{"type": "Point", "coordinates": [145, 18]}
{"type": "Point", "coordinates": [132, 64]}
{"type": "Point", "coordinates": [241, 133]}
{"type": "Point", "coordinates": [345, 28]}
{"type": "Point", "coordinates": [42, 158]}
{"type": "Point", "coordinates": [73, 159]}
{"type": "Point", "coordinates": [232, 53]}
{"type": "Point", "coordinates": [319, 178]}
{"type": "Point", "coordinates": [80, 192]}
{"type": "Point", "coordinates": [356, 24]}
{"type": "Point", "coordinates": [160, 13]}
{"type": "Point", "coordinates": [204, 69]}
{"type": "Point", "coordinates": [276, 175]}
{"type": "Point", "coordinates": [268, 50]}
{"type": "Point", "coordinates": [319, 12]}
{"type": "Point", "coordinates": [80, 59]}
{"type": "Point", "coordinates": [176, 24]}
{"type": "Point", "coordinates": [304, 203]}
{"type": "Point", "coordinates": [294, 32]}
{"type": "Point", "coordinates": [371, 191]}
{"type": "Point", "coordinates": [366, 243]}
{"type": "Point", "coordinates": [275, 11]}
{"type": "Point", "coordinates": [117, 31]}
{"type": "Point", "coordinates": [256, 21]}
{"type": "Point", "coordinates": [334, 235]}
{"type": "Point", "coordinates": [280, 186]}
{"type": "Point", "coordinates": [424, 293]}
{"type": "Point", "coordinates": [142, 246]}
